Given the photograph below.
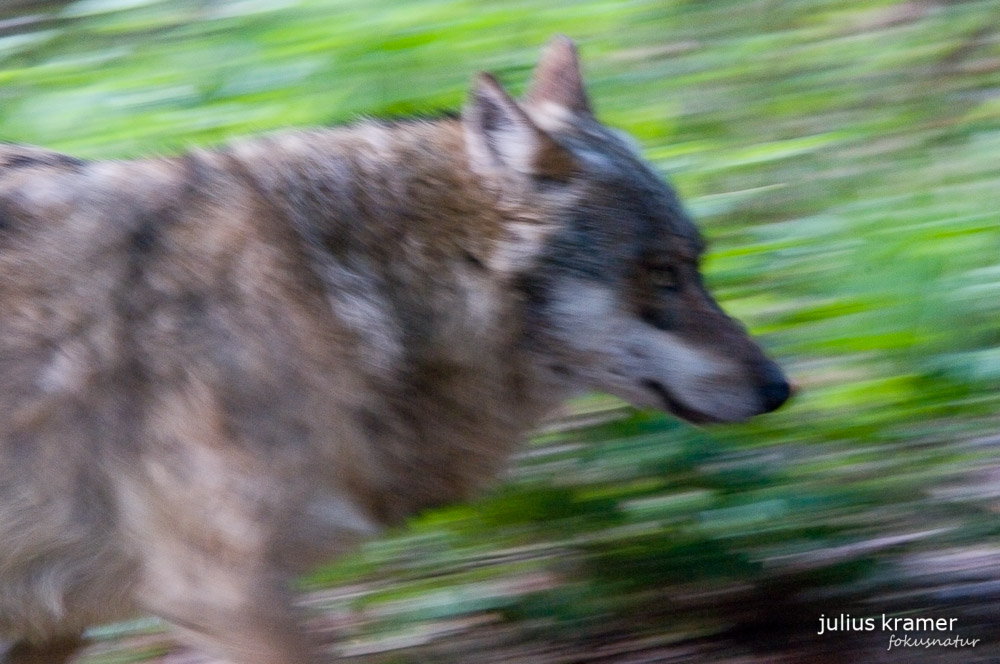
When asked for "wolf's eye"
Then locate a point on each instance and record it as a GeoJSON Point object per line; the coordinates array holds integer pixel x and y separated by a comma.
{"type": "Point", "coordinates": [664, 277]}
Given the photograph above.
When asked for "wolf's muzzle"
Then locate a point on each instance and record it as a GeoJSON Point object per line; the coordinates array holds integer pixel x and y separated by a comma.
{"type": "Point", "coordinates": [774, 389]}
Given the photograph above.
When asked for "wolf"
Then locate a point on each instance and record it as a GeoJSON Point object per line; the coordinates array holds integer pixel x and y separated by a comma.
{"type": "Point", "coordinates": [221, 368]}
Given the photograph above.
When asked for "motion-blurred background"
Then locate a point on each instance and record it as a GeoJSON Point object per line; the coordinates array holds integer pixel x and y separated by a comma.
{"type": "Point", "coordinates": [843, 158]}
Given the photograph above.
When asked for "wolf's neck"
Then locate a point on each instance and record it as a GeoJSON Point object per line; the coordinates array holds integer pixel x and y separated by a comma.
{"type": "Point", "coordinates": [394, 211]}
{"type": "Point", "coordinates": [395, 226]}
{"type": "Point", "coordinates": [399, 232]}
{"type": "Point", "coordinates": [357, 186]}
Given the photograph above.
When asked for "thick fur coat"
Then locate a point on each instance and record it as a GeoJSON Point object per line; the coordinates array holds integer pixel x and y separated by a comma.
{"type": "Point", "coordinates": [221, 368]}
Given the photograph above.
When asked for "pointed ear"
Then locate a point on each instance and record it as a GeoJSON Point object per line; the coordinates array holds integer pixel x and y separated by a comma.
{"type": "Point", "coordinates": [557, 78]}
{"type": "Point", "coordinates": [499, 134]}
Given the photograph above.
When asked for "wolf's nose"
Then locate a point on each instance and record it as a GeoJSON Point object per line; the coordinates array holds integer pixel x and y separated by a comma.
{"type": "Point", "coordinates": [775, 389]}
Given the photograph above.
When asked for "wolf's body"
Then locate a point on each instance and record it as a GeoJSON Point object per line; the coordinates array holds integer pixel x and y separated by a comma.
{"type": "Point", "coordinates": [221, 368]}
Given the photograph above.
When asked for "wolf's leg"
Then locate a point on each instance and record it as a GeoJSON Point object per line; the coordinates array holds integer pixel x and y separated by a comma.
{"type": "Point", "coordinates": [53, 651]}
{"type": "Point", "coordinates": [230, 611]}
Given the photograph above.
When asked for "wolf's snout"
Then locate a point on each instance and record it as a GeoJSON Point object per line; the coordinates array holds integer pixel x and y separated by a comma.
{"type": "Point", "coordinates": [774, 389]}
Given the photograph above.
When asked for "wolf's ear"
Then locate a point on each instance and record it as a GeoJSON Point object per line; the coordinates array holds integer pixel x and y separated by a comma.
{"type": "Point", "coordinates": [500, 134]}
{"type": "Point", "coordinates": [557, 79]}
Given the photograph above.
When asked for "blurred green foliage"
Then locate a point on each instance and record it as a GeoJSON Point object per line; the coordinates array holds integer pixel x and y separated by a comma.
{"type": "Point", "coordinates": [843, 158]}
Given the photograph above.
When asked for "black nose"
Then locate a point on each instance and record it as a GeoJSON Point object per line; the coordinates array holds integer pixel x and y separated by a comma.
{"type": "Point", "coordinates": [774, 389]}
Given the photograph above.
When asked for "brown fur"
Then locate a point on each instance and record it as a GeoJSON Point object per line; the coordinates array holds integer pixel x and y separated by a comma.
{"type": "Point", "coordinates": [224, 367]}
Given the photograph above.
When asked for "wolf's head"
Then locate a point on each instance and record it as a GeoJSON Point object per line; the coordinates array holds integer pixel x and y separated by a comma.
{"type": "Point", "coordinates": [606, 258]}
